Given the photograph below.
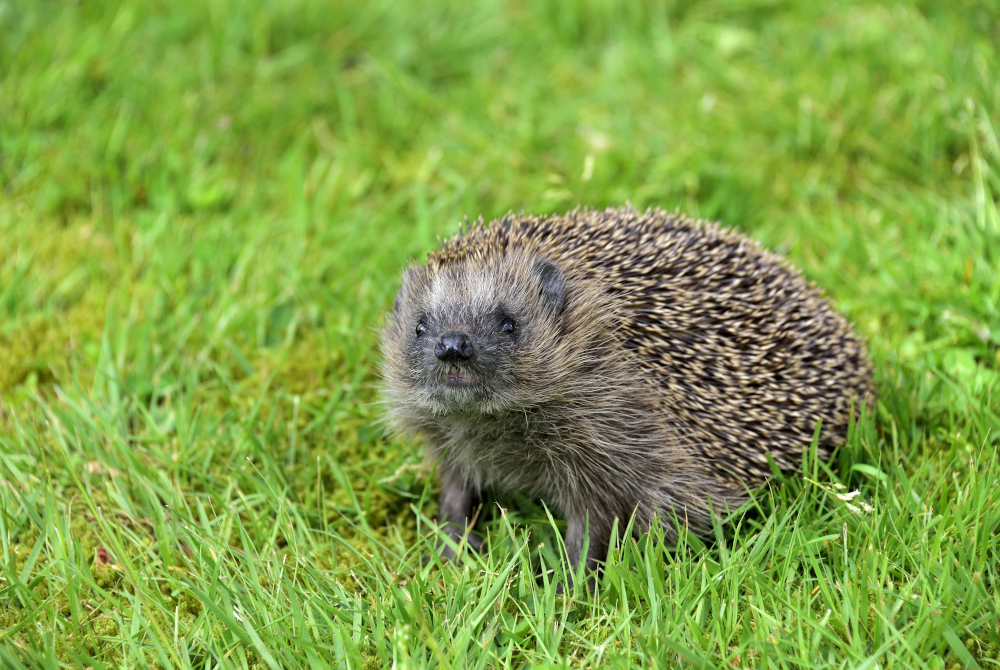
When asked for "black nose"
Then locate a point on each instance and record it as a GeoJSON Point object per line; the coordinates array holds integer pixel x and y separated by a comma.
{"type": "Point", "coordinates": [454, 347]}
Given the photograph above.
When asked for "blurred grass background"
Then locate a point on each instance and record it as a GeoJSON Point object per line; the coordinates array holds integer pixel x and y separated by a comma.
{"type": "Point", "coordinates": [204, 210]}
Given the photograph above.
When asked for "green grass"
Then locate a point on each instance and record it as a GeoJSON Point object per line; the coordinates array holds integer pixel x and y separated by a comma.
{"type": "Point", "coordinates": [204, 207]}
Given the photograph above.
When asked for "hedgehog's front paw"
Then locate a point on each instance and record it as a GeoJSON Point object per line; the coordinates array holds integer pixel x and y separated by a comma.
{"type": "Point", "coordinates": [472, 541]}
{"type": "Point", "coordinates": [590, 586]}
{"type": "Point", "coordinates": [466, 540]}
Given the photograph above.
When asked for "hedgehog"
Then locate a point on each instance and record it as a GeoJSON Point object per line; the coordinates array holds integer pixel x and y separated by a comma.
{"type": "Point", "coordinates": [614, 364]}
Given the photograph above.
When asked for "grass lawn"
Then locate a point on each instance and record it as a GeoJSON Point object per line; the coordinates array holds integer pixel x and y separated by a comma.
{"type": "Point", "coordinates": [204, 209]}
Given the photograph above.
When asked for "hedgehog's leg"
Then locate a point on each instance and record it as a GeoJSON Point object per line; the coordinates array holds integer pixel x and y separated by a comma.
{"type": "Point", "coordinates": [584, 526]}
{"type": "Point", "coordinates": [455, 505]}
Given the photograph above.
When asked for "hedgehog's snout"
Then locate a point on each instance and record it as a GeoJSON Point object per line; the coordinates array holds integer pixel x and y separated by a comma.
{"type": "Point", "coordinates": [454, 347]}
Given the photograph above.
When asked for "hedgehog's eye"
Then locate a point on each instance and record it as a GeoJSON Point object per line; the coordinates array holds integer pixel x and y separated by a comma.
{"type": "Point", "coordinates": [421, 328]}
{"type": "Point", "coordinates": [507, 325]}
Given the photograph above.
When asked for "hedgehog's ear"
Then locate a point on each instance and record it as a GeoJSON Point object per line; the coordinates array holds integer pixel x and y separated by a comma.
{"type": "Point", "coordinates": [553, 285]}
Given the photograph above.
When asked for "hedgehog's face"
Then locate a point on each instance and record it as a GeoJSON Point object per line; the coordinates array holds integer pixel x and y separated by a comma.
{"type": "Point", "coordinates": [463, 334]}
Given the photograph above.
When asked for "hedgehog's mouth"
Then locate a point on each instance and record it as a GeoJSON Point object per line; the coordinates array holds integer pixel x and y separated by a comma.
{"type": "Point", "coordinates": [458, 376]}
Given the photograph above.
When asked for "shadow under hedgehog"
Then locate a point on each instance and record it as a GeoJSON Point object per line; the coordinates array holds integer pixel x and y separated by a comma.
{"type": "Point", "coordinates": [615, 363]}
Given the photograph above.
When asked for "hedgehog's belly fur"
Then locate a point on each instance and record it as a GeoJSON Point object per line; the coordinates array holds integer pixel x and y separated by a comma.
{"type": "Point", "coordinates": [502, 454]}
{"type": "Point", "coordinates": [520, 452]}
